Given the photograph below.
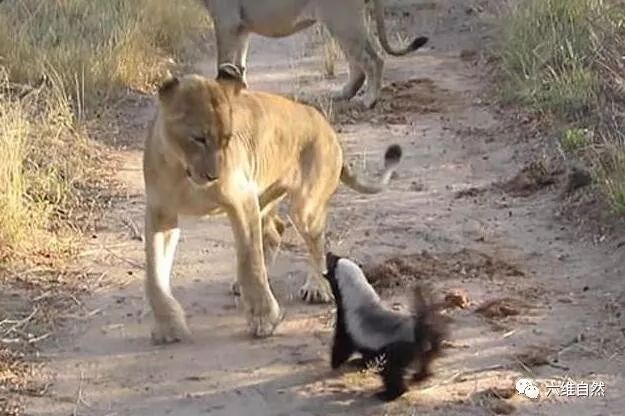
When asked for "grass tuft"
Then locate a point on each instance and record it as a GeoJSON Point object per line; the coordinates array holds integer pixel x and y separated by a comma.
{"type": "Point", "coordinates": [564, 58]}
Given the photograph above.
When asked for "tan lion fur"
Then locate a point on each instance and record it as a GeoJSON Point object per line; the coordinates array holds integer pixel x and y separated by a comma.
{"type": "Point", "coordinates": [217, 148]}
{"type": "Point", "coordinates": [235, 20]}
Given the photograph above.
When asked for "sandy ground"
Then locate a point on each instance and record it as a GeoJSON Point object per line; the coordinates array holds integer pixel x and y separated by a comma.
{"type": "Point", "coordinates": [562, 291]}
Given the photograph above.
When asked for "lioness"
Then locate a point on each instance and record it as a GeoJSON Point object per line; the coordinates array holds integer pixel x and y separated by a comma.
{"type": "Point", "coordinates": [215, 147]}
{"type": "Point", "coordinates": [234, 20]}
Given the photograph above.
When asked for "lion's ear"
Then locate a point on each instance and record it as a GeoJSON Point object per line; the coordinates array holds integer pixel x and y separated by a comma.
{"type": "Point", "coordinates": [230, 77]}
{"type": "Point", "coordinates": [168, 87]}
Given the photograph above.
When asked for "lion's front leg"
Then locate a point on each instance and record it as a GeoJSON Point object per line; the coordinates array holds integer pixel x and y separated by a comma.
{"type": "Point", "coordinates": [261, 308]}
{"type": "Point", "coordinates": [161, 238]}
{"type": "Point", "coordinates": [273, 228]}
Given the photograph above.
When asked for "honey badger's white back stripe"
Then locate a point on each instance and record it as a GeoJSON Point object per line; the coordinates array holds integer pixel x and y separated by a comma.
{"type": "Point", "coordinates": [370, 324]}
{"type": "Point", "coordinates": [354, 287]}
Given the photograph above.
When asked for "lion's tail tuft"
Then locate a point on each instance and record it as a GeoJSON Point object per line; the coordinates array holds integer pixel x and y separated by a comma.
{"type": "Point", "coordinates": [392, 158]}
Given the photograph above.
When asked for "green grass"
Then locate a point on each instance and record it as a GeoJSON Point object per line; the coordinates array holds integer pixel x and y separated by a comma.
{"type": "Point", "coordinates": [564, 58]}
{"type": "Point", "coordinates": [574, 139]}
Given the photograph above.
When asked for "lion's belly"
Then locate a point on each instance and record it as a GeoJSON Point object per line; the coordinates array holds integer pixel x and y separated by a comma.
{"type": "Point", "coordinates": [278, 18]}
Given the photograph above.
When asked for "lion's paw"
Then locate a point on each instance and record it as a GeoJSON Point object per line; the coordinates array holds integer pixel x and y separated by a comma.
{"type": "Point", "coordinates": [316, 291]}
{"type": "Point", "coordinates": [169, 332]}
{"type": "Point", "coordinates": [264, 325]}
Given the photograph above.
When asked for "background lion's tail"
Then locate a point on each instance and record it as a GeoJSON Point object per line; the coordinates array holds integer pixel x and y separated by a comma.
{"type": "Point", "coordinates": [392, 157]}
{"type": "Point", "coordinates": [379, 20]}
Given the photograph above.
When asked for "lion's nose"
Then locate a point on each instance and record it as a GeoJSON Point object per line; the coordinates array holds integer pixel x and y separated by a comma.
{"type": "Point", "coordinates": [209, 177]}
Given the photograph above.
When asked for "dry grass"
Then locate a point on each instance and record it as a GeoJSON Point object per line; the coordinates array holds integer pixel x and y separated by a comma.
{"type": "Point", "coordinates": [62, 63]}
{"type": "Point", "coordinates": [46, 166]}
{"type": "Point", "coordinates": [96, 47]}
{"type": "Point", "coordinates": [331, 51]}
{"type": "Point", "coordinates": [564, 58]}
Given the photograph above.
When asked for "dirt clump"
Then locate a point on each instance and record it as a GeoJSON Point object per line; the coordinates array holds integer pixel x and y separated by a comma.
{"type": "Point", "coordinates": [469, 192]}
{"type": "Point", "coordinates": [465, 263]}
{"type": "Point", "coordinates": [531, 179]}
{"type": "Point", "coordinates": [399, 102]}
{"type": "Point", "coordinates": [457, 298]}
{"type": "Point", "coordinates": [494, 399]}
{"type": "Point", "coordinates": [500, 308]}
{"type": "Point", "coordinates": [534, 356]}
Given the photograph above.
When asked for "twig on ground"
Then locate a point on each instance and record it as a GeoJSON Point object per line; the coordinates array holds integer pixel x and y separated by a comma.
{"type": "Point", "coordinates": [85, 316]}
{"type": "Point", "coordinates": [124, 259]}
{"type": "Point", "coordinates": [18, 323]}
{"type": "Point", "coordinates": [79, 399]}
{"type": "Point", "coordinates": [136, 233]}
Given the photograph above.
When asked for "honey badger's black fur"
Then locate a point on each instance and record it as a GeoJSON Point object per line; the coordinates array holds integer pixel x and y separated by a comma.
{"type": "Point", "coordinates": [365, 325]}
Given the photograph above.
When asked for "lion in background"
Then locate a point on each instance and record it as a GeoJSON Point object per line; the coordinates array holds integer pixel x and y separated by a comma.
{"type": "Point", "coordinates": [235, 20]}
{"type": "Point", "coordinates": [216, 147]}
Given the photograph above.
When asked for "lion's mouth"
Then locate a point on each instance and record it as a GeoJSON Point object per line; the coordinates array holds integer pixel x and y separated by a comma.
{"type": "Point", "coordinates": [209, 179]}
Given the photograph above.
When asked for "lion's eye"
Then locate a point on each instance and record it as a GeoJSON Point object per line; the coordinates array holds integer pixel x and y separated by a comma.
{"type": "Point", "coordinates": [200, 140]}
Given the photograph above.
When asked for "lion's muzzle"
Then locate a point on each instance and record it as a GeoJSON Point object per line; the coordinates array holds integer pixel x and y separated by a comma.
{"type": "Point", "coordinates": [203, 179]}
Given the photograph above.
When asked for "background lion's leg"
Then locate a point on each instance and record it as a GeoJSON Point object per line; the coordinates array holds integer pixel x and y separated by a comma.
{"type": "Point", "coordinates": [356, 74]}
{"type": "Point", "coordinates": [374, 66]}
{"type": "Point", "coordinates": [232, 44]}
{"type": "Point", "coordinates": [310, 222]}
{"type": "Point", "coordinates": [161, 238]}
{"type": "Point", "coordinates": [356, 78]}
{"type": "Point", "coordinates": [364, 62]}
{"type": "Point", "coordinates": [240, 57]}
{"type": "Point", "coordinates": [261, 307]}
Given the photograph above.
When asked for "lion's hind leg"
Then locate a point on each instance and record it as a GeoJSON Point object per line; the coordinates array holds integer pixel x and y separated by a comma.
{"type": "Point", "coordinates": [310, 221]}
{"type": "Point", "coordinates": [364, 62]}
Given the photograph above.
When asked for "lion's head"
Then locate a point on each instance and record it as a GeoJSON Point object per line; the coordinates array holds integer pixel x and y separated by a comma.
{"type": "Point", "coordinates": [197, 119]}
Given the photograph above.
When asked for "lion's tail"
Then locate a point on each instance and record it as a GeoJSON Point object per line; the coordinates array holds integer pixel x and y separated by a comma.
{"type": "Point", "coordinates": [392, 157]}
{"type": "Point", "coordinates": [418, 42]}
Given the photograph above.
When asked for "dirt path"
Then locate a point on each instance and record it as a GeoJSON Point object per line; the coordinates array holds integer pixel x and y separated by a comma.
{"type": "Point", "coordinates": [488, 243]}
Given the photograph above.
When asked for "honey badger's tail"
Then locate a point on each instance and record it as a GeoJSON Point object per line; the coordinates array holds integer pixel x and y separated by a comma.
{"type": "Point", "coordinates": [430, 327]}
{"type": "Point", "coordinates": [392, 157]}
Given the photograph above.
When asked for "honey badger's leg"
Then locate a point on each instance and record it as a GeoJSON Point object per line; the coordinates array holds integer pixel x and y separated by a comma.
{"type": "Point", "coordinates": [369, 359]}
{"type": "Point", "coordinates": [396, 358]}
{"type": "Point", "coordinates": [343, 347]}
{"type": "Point", "coordinates": [425, 363]}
